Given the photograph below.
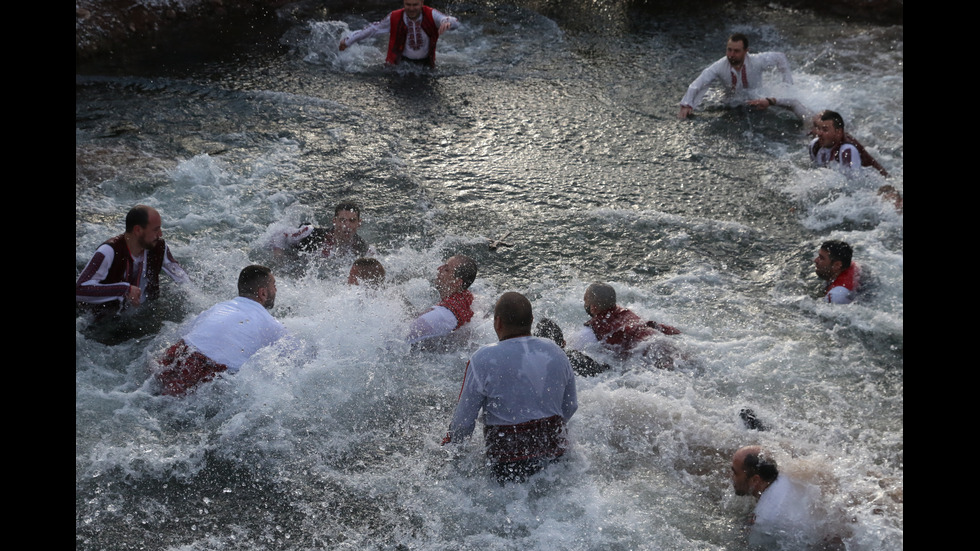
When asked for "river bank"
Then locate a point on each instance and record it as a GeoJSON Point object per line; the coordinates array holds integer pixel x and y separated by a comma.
{"type": "Point", "coordinates": [102, 27]}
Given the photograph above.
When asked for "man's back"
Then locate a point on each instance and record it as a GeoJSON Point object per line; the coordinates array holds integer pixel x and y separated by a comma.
{"type": "Point", "coordinates": [230, 332]}
{"type": "Point", "coordinates": [515, 381]}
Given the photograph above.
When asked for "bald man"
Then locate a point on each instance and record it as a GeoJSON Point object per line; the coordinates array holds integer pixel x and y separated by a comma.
{"type": "Point", "coordinates": [789, 514]}
{"type": "Point", "coordinates": [617, 328]}
{"type": "Point", "coordinates": [526, 389]}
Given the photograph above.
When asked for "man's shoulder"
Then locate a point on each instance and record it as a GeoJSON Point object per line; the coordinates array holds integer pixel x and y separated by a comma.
{"type": "Point", "coordinates": [529, 343]}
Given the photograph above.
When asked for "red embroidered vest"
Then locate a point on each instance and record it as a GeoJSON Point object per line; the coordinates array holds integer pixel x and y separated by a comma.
{"type": "Point", "coordinates": [122, 263]}
{"type": "Point", "coordinates": [399, 33]}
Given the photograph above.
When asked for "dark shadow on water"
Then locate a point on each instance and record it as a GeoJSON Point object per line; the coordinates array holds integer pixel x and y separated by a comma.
{"type": "Point", "coordinates": [113, 329]}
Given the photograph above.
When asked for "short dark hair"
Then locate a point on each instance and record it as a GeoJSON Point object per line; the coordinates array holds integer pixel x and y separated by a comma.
{"type": "Point", "coordinates": [370, 270]}
{"type": "Point", "coordinates": [251, 279]}
{"type": "Point", "coordinates": [828, 115]}
{"type": "Point", "coordinates": [347, 205]}
{"type": "Point", "coordinates": [465, 270]}
{"type": "Point", "coordinates": [603, 295]}
{"type": "Point", "coordinates": [137, 216]}
{"type": "Point", "coordinates": [760, 464]}
{"type": "Point", "coordinates": [739, 37]}
{"type": "Point", "coordinates": [514, 311]}
{"type": "Point", "coordinates": [838, 250]}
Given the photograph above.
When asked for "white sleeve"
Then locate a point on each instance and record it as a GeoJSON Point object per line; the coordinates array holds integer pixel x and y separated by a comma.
{"type": "Point", "coordinates": [173, 269]}
{"type": "Point", "coordinates": [850, 157]}
{"type": "Point", "coordinates": [840, 295]}
{"type": "Point", "coordinates": [581, 340]}
{"type": "Point", "coordinates": [696, 91]}
{"type": "Point", "coordinates": [88, 288]}
{"type": "Point", "coordinates": [378, 27]}
{"type": "Point", "coordinates": [779, 61]}
{"type": "Point", "coordinates": [437, 322]}
{"type": "Point", "coordinates": [438, 17]}
{"type": "Point", "coordinates": [289, 239]}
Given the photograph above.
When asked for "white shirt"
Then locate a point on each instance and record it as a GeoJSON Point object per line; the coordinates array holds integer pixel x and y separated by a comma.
{"type": "Point", "coordinates": [788, 516]}
{"type": "Point", "coordinates": [515, 381]}
{"type": "Point", "coordinates": [230, 332]}
{"type": "Point", "coordinates": [747, 79]}
{"type": "Point", "coordinates": [439, 321]}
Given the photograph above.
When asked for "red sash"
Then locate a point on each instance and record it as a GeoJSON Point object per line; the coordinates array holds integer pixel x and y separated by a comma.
{"type": "Point", "coordinates": [185, 369]}
{"type": "Point", "coordinates": [530, 440]}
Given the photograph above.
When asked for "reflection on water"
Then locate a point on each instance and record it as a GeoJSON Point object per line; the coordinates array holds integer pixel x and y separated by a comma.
{"type": "Point", "coordinates": [562, 132]}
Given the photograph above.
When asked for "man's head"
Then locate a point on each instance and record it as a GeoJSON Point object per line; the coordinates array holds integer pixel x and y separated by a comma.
{"type": "Point", "coordinates": [257, 283]}
{"type": "Point", "coordinates": [738, 46]}
{"type": "Point", "coordinates": [512, 316]}
{"type": "Point", "coordinates": [833, 258]}
{"type": "Point", "coordinates": [346, 219]}
{"type": "Point", "coordinates": [367, 270]}
{"type": "Point", "coordinates": [828, 127]}
{"type": "Point", "coordinates": [456, 275]}
{"type": "Point", "coordinates": [549, 329]}
{"type": "Point", "coordinates": [753, 470]}
{"type": "Point", "coordinates": [144, 224]}
{"type": "Point", "coordinates": [412, 8]}
{"type": "Point", "coordinates": [599, 297]}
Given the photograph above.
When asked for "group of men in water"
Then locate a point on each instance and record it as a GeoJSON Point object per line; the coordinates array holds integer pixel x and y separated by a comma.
{"type": "Point", "coordinates": [414, 31]}
{"type": "Point", "coordinates": [525, 383]}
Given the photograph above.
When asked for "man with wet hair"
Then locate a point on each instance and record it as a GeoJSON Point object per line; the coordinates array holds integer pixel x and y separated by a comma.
{"type": "Point", "coordinates": [834, 147]}
{"type": "Point", "coordinates": [740, 74]}
{"type": "Point", "coordinates": [833, 264]}
{"type": "Point", "coordinates": [222, 338]}
{"type": "Point", "coordinates": [367, 270]}
{"type": "Point", "coordinates": [455, 307]}
{"type": "Point", "coordinates": [789, 514]}
{"type": "Point", "coordinates": [339, 240]}
{"type": "Point", "coordinates": [125, 270]}
{"type": "Point", "coordinates": [412, 33]}
{"type": "Point", "coordinates": [617, 328]}
{"type": "Point", "coordinates": [526, 389]}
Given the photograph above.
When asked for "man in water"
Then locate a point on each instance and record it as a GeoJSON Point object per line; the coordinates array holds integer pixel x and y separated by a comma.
{"type": "Point", "coordinates": [789, 514]}
{"type": "Point", "coordinates": [455, 307]}
{"type": "Point", "coordinates": [740, 73]}
{"type": "Point", "coordinates": [412, 33]}
{"type": "Point", "coordinates": [617, 328]}
{"type": "Point", "coordinates": [833, 147]}
{"type": "Point", "coordinates": [833, 264]}
{"type": "Point", "coordinates": [225, 336]}
{"type": "Point", "coordinates": [125, 270]}
{"type": "Point", "coordinates": [526, 389]}
{"type": "Point", "coordinates": [368, 271]}
{"type": "Point", "coordinates": [340, 240]}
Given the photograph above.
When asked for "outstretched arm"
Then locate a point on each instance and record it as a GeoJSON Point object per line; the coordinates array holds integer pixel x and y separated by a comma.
{"type": "Point", "coordinates": [696, 91]}
{"type": "Point", "coordinates": [444, 22]}
{"type": "Point", "coordinates": [378, 27]}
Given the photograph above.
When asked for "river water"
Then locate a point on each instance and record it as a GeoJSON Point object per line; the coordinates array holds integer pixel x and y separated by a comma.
{"type": "Point", "coordinates": [552, 123]}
